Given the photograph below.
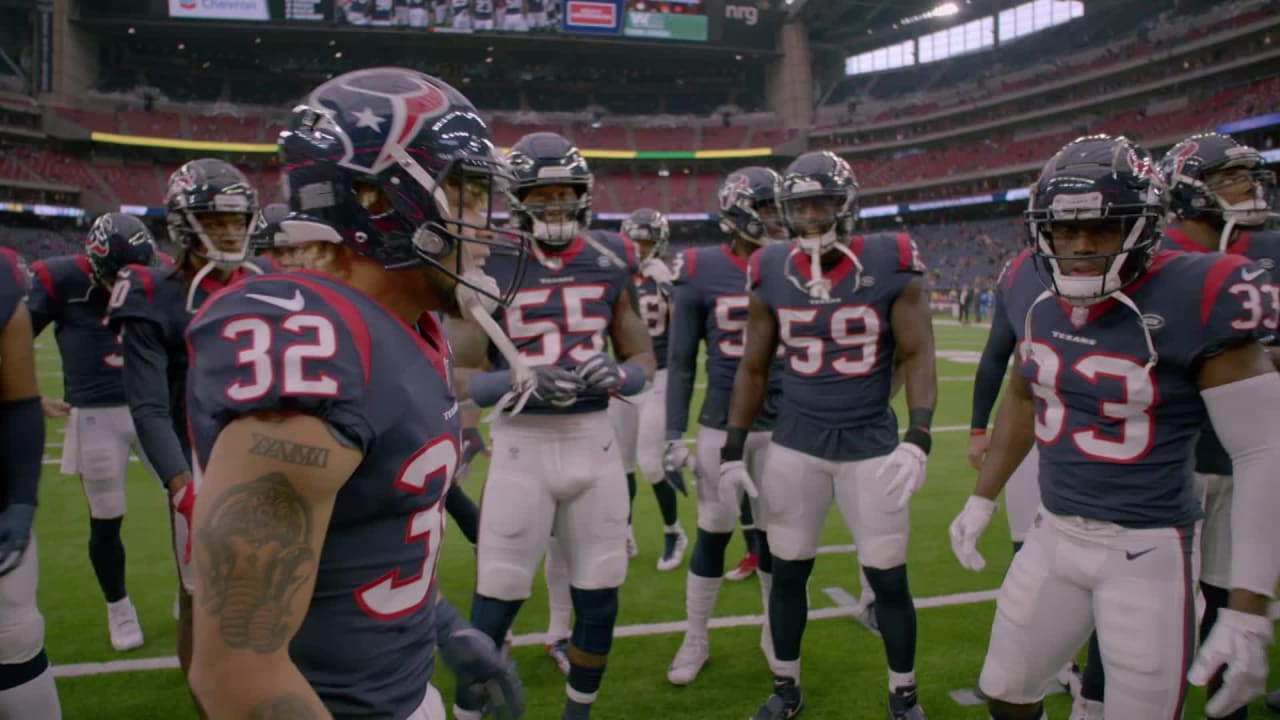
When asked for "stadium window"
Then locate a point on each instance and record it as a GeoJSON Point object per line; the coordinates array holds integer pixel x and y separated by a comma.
{"type": "Point", "coordinates": [1037, 15]}
{"type": "Point", "coordinates": [886, 58]}
{"type": "Point", "coordinates": [970, 37]}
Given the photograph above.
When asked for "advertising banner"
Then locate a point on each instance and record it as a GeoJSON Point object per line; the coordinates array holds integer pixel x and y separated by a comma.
{"type": "Point", "coordinates": [672, 20]}
{"type": "Point", "coordinates": [219, 10]}
{"type": "Point", "coordinates": [592, 16]}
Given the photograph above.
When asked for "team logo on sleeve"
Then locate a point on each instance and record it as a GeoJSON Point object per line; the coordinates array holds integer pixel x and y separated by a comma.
{"type": "Point", "coordinates": [384, 120]}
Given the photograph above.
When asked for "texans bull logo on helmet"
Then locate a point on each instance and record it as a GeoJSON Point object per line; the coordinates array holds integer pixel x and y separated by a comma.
{"type": "Point", "coordinates": [382, 120]}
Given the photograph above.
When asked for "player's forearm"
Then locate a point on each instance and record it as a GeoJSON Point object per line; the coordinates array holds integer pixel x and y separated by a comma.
{"type": "Point", "coordinates": [991, 370]}
{"type": "Point", "coordinates": [1011, 440]}
{"type": "Point", "coordinates": [920, 377]}
{"type": "Point", "coordinates": [1250, 438]}
{"type": "Point", "coordinates": [747, 399]}
{"type": "Point", "coordinates": [21, 448]}
{"type": "Point", "coordinates": [238, 685]}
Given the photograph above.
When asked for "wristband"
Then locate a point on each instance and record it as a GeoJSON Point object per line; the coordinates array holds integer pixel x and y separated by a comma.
{"type": "Point", "coordinates": [920, 438]}
{"type": "Point", "coordinates": [977, 432]}
{"type": "Point", "coordinates": [633, 380]}
{"type": "Point", "coordinates": [735, 444]}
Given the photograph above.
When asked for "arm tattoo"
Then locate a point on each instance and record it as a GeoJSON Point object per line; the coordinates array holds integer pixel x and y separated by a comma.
{"type": "Point", "coordinates": [256, 554]}
{"type": "Point", "coordinates": [289, 452]}
{"type": "Point", "coordinates": [289, 707]}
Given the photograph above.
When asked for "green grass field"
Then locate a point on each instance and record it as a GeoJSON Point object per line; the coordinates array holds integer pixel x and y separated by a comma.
{"type": "Point", "coordinates": [843, 669]}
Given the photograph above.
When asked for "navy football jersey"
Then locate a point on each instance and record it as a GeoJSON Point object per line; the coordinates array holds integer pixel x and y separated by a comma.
{"type": "Point", "coordinates": [65, 293]}
{"type": "Point", "coordinates": [1116, 439]}
{"type": "Point", "coordinates": [483, 9]}
{"type": "Point", "coordinates": [14, 282]}
{"type": "Point", "coordinates": [710, 302]}
{"type": "Point", "coordinates": [158, 294]}
{"type": "Point", "coordinates": [1263, 248]}
{"type": "Point", "coordinates": [838, 367]}
{"type": "Point", "coordinates": [305, 341]}
{"type": "Point", "coordinates": [655, 310]}
{"type": "Point", "coordinates": [563, 310]}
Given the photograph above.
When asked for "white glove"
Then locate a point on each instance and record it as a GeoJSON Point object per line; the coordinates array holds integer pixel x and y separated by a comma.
{"type": "Point", "coordinates": [967, 528]}
{"type": "Point", "coordinates": [600, 372]}
{"type": "Point", "coordinates": [734, 477]}
{"type": "Point", "coordinates": [676, 457]}
{"type": "Point", "coordinates": [658, 270]}
{"type": "Point", "coordinates": [905, 471]}
{"type": "Point", "coordinates": [1238, 641]}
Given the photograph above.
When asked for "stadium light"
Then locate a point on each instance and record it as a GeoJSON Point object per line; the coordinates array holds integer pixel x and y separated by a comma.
{"type": "Point", "coordinates": [944, 10]}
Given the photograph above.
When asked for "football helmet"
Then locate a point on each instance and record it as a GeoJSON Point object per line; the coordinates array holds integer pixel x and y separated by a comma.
{"type": "Point", "coordinates": [115, 240]}
{"type": "Point", "coordinates": [818, 198]}
{"type": "Point", "coordinates": [209, 186]}
{"type": "Point", "coordinates": [366, 162]}
{"type": "Point", "coordinates": [265, 232]}
{"type": "Point", "coordinates": [1189, 193]}
{"type": "Point", "coordinates": [545, 159]}
{"type": "Point", "coordinates": [1097, 177]}
{"type": "Point", "coordinates": [748, 205]}
{"type": "Point", "coordinates": [648, 226]}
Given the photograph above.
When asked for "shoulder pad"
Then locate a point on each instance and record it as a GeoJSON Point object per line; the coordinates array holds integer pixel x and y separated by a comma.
{"type": "Point", "coordinates": [283, 342]}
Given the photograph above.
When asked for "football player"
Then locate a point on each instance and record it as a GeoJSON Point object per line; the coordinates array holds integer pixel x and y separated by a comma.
{"type": "Point", "coordinates": [555, 466]}
{"type": "Point", "coordinates": [482, 13]}
{"type": "Point", "coordinates": [1122, 350]}
{"type": "Point", "coordinates": [210, 205]}
{"type": "Point", "coordinates": [846, 309]}
{"type": "Point", "coordinates": [651, 233]}
{"type": "Point", "coordinates": [72, 292]}
{"type": "Point", "coordinates": [26, 680]}
{"type": "Point", "coordinates": [513, 19]}
{"type": "Point", "coordinates": [324, 463]}
{"type": "Point", "coordinates": [709, 305]}
{"type": "Point", "coordinates": [1215, 196]}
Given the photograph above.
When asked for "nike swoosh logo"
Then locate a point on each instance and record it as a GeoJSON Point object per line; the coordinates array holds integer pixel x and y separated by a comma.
{"type": "Point", "coordinates": [293, 304]}
{"type": "Point", "coordinates": [1249, 275]}
{"type": "Point", "coordinates": [1135, 555]}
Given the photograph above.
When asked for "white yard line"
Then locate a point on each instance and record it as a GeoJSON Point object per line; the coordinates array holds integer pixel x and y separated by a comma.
{"type": "Point", "coordinates": [623, 631]}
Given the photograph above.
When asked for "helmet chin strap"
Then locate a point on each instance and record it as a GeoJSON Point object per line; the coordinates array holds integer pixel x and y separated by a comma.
{"type": "Point", "coordinates": [1026, 351]}
{"type": "Point", "coordinates": [204, 272]}
{"type": "Point", "coordinates": [819, 286]}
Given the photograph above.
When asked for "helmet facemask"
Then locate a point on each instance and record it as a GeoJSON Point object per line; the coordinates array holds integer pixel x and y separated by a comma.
{"type": "Point", "coordinates": [553, 212]}
{"type": "Point", "coordinates": [820, 221]}
{"type": "Point", "coordinates": [1090, 278]}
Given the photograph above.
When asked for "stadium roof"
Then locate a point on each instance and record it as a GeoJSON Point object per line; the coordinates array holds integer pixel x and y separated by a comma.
{"type": "Point", "coordinates": [851, 26]}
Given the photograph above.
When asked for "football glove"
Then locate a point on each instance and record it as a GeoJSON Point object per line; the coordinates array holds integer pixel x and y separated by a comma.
{"type": "Point", "coordinates": [1238, 644]}
{"type": "Point", "coordinates": [481, 669]}
{"type": "Point", "coordinates": [556, 386]}
{"type": "Point", "coordinates": [734, 477]}
{"type": "Point", "coordinates": [184, 503]}
{"type": "Point", "coordinates": [676, 457]}
{"type": "Point", "coordinates": [472, 445]}
{"type": "Point", "coordinates": [601, 373]}
{"type": "Point", "coordinates": [904, 473]}
{"type": "Point", "coordinates": [967, 528]}
{"type": "Point", "coordinates": [15, 534]}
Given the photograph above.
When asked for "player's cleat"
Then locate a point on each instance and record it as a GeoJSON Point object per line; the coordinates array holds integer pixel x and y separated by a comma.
{"type": "Point", "coordinates": [632, 548]}
{"type": "Point", "coordinates": [1083, 709]}
{"type": "Point", "coordinates": [744, 569]}
{"type": "Point", "coordinates": [559, 652]}
{"type": "Point", "coordinates": [904, 704]}
{"type": "Point", "coordinates": [673, 547]}
{"type": "Point", "coordinates": [122, 623]}
{"type": "Point", "coordinates": [1272, 701]}
{"type": "Point", "coordinates": [688, 661]}
{"type": "Point", "coordinates": [785, 703]}
{"type": "Point", "coordinates": [866, 616]}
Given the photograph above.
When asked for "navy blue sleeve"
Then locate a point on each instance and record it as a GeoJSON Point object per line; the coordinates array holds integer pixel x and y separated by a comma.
{"type": "Point", "coordinates": [329, 383]}
{"type": "Point", "coordinates": [687, 316]}
{"type": "Point", "coordinates": [992, 366]}
{"type": "Point", "coordinates": [146, 386]}
{"type": "Point", "coordinates": [42, 302]}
